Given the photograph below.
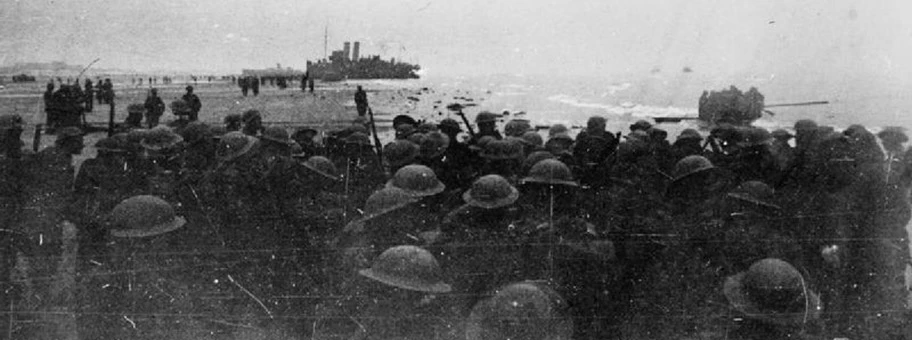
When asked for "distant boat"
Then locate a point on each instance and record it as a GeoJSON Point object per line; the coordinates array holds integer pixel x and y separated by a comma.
{"type": "Point", "coordinates": [687, 69]}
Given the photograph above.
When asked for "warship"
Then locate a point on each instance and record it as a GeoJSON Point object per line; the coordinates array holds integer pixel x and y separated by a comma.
{"type": "Point", "coordinates": [348, 64]}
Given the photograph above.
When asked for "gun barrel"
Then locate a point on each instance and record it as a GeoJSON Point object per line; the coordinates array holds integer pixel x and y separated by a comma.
{"type": "Point", "coordinates": [819, 102]}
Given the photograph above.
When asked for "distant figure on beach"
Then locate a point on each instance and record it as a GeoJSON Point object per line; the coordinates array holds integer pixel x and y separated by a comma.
{"type": "Point", "coordinates": [244, 84]}
{"type": "Point", "coordinates": [50, 106]}
{"type": "Point", "coordinates": [310, 83]}
{"type": "Point", "coordinates": [361, 101]}
{"type": "Point", "coordinates": [304, 82]}
{"type": "Point", "coordinates": [255, 86]}
{"type": "Point", "coordinates": [194, 102]}
{"type": "Point", "coordinates": [155, 108]}
{"type": "Point", "coordinates": [89, 90]}
{"type": "Point", "coordinates": [108, 89]}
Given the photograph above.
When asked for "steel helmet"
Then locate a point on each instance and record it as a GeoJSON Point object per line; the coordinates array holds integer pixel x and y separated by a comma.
{"type": "Point", "coordinates": [689, 134]}
{"type": "Point", "coordinates": [322, 166]}
{"type": "Point", "coordinates": [180, 107]}
{"type": "Point", "coordinates": [434, 145]}
{"type": "Point", "coordinates": [408, 267]}
{"type": "Point", "coordinates": [485, 117]}
{"type": "Point", "coordinates": [557, 129]}
{"type": "Point", "coordinates": [517, 127]}
{"type": "Point", "coordinates": [534, 158]}
{"type": "Point", "coordinates": [143, 216]}
{"type": "Point", "coordinates": [525, 310]}
{"type": "Point", "coordinates": [551, 171]}
{"type": "Point", "coordinates": [160, 138]}
{"type": "Point", "coordinates": [379, 203]}
{"type": "Point", "coordinates": [416, 137]}
{"type": "Point", "coordinates": [754, 136]}
{"type": "Point", "coordinates": [449, 124]}
{"type": "Point", "coordinates": [234, 144]}
{"type": "Point", "coordinates": [754, 192]}
{"type": "Point", "coordinates": [400, 152]}
{"type": "Point", "coordinates": [503, 149]}
{"type": "Point", "coordinates": [358, 138]}
{"type": "Point", "coordinates": [772, 290]}
{"type": "Point", "coordinates": [276, 134]}
{"type": "Point", "coordinates": [782, 135]}
{"type": "Point", "coordinates": [417, 181]}
{"type": "Point", "coordinates": [490, 192]}
{"type": "Point", "coordinates": [691, 165]}
{"type": "Point", "coordinates": [532, 139]}
{"type": "Point", "coordinates": [482, 143]}
{"type": "Point", "coordinates": [195, 132]}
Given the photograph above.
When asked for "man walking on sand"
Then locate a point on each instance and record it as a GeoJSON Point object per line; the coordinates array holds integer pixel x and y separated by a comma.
{"type": "Point", "coordinates": [361, 101]}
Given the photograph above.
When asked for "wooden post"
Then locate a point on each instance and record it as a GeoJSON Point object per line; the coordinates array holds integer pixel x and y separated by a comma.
{"type": "Point", "coordinates": [111, 120]}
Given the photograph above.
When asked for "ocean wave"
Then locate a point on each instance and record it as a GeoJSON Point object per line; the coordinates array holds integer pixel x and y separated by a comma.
{"type": "Point", "coordinates": [632, 109]}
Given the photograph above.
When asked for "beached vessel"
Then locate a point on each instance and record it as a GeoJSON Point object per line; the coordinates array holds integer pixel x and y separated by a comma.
{"type": "Point", "coordinates": [348, 64]}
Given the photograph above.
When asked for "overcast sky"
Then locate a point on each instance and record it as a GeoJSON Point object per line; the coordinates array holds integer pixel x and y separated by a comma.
{"type": "Point", "coordinates": [472, 37]}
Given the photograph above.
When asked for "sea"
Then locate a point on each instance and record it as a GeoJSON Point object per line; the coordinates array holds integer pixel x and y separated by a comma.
{"type": "Point", "coordinates": [874, 102]}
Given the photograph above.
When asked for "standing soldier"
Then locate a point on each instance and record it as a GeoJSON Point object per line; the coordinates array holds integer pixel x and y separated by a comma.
{"type": "Point", "coordinates": [310, 84]}
{"type": "Point", "coordinates": [89, 90]}
{"type": "Point", "coordinates": [155, 108]}
{"type": "Point", "coordinates": [194, 102]}
{"type": "Point", "coordinates": [255, 86]}
{"type": "Point", "coordinates": [361, 101]}
{"type": "Point", "coordinates": [50, 107]}
{"type": "Point", "coordinates": [108, 90]}
{"type": "Point", "coordinates": [304, 81]}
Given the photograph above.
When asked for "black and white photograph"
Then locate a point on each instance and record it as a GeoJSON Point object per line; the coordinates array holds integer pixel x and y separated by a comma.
{"type": "Point", "coordinates": [455, 170]}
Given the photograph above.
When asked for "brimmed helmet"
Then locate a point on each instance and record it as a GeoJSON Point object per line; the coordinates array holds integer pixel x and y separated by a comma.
{"type": "Point", "coordinates": [517, 127]}
{"type": "Point", "coordinates": [772, 290]}
{"type": "Point", "coordinates": [754, 136]}
{"type": "Point", "coordinates": [434, 145]}
{"type": "Point", "coordinates": [143, 216]}
{"type": "Point", "coordinates": [503, 149]}
{"type": "Point", "coordinates": [689, 134]}
{"type": "Point", "coordinates": [491, 191]}
{"type": "Point", "coordinates": [322, 166]}
{"type": "Point", "coordinates": [408, 267]}
{"type": "Point", "coordinates": [485, 117]}
{"type": "Point", "coordinates": [196, 132]}
{"type": "Point", "coordinates": [277, 135]}
{"type": "Point", "coordinates": [525, 310]}
{"type": "Point", "coordinates": [400, 152]}
{"type": "Point", "coordinates": [160, 138]}
{"type": "Point", "coordinates": [532, 139]}
{"type": "Point", "coordinates": [534, 158]}
{"type": "Point", "coordinates": [449, 124]}
{"type": "Point", "coordinates": [691, 165]}
{"type": "Point", "coordinates": [234, 144]}
{"type": "Point", "coordinates": [379, 203]}
{"type": "Point", "coordinates": [417, 181]}
{"type": "Point", "coordinates": [551, 171]}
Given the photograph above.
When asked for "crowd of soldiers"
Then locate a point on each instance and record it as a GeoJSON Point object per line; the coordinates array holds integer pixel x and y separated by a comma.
{"type": "Point", "coordinates": [201, 231]}
{"type": "Point", "coordinates": [66, 105]}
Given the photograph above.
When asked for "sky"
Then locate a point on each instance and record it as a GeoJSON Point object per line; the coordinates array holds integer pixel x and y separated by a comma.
{"type": "Point", "coordinates": [855, 39]}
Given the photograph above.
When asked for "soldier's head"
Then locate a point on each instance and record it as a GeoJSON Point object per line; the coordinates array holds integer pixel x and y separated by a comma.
{"type": "Point", "coordinates": [189, 89]}
{"type": "Point", "coordinates": [359, 88]}
{"type": "Point", "coordinates": [50, 86]}
{"type": "Point", "coordinates": [70, 139]}
{"type": "Point", "coordinates": [153, 92]}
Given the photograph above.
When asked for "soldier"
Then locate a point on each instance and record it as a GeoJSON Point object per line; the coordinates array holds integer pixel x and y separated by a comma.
{"type": "Point", "coordinates": [101, 183]}
{"type": "Point", "coordinates": [233, 122]}
{"type": "Point", "coordinates": [108, 90]}
{"type": "Point", "coordinates": [593, 147]}
{"type": "Point", "coordinates": [421, 182]}
{"type": "Point", "coordinates": [774, 301]}
{"type": "Point", "coordinates": [487, 126]}
{"type": "Point", "coordinates": [687, 144]}
{"type": "Point", "coordinates": [89, 95]}
{"type": "Point", "coordinates": [305, 137]}
{"type": "Point", "coordinates": [50, 108]}
{"type": "Point", "coordinates": [504, 158]}
{"type": "Point", "coordinates": [253, 123]}
{"type": "Point", "coordinates": [310, 84]}
{"type": "Point", "coordinates": [384, 224]}
{"type": "Point", "coordinates": [361, 101]}
{"type": "Point", "coordinates": [255, 86]}
{"type": "Point", "coordinates": [479, 244]}
{"type": "Point", "coordinates": [400, 153]}
{"type": "Point", "coordinates": [155, 108]}
{"type": "Point", "coordinates": [517, 127]}
{"type": "Point", "coordinates": [157, 275]}
{"type": "Point", "coordinates": [781, 150]}
{"type": "Point", "coordinates": [194, 102]}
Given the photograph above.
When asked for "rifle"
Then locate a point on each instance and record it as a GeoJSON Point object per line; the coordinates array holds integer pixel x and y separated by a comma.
{"type": "Point", "coordinates": [377, 143]}
{"type": "Point", "coordinates": [466, 121]}
{"type": "Point", "coordinates": [36, 141]}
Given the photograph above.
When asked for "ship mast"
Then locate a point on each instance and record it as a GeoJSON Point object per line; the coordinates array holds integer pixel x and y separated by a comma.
{"type": "Point", "coordinates": [325, 40]}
